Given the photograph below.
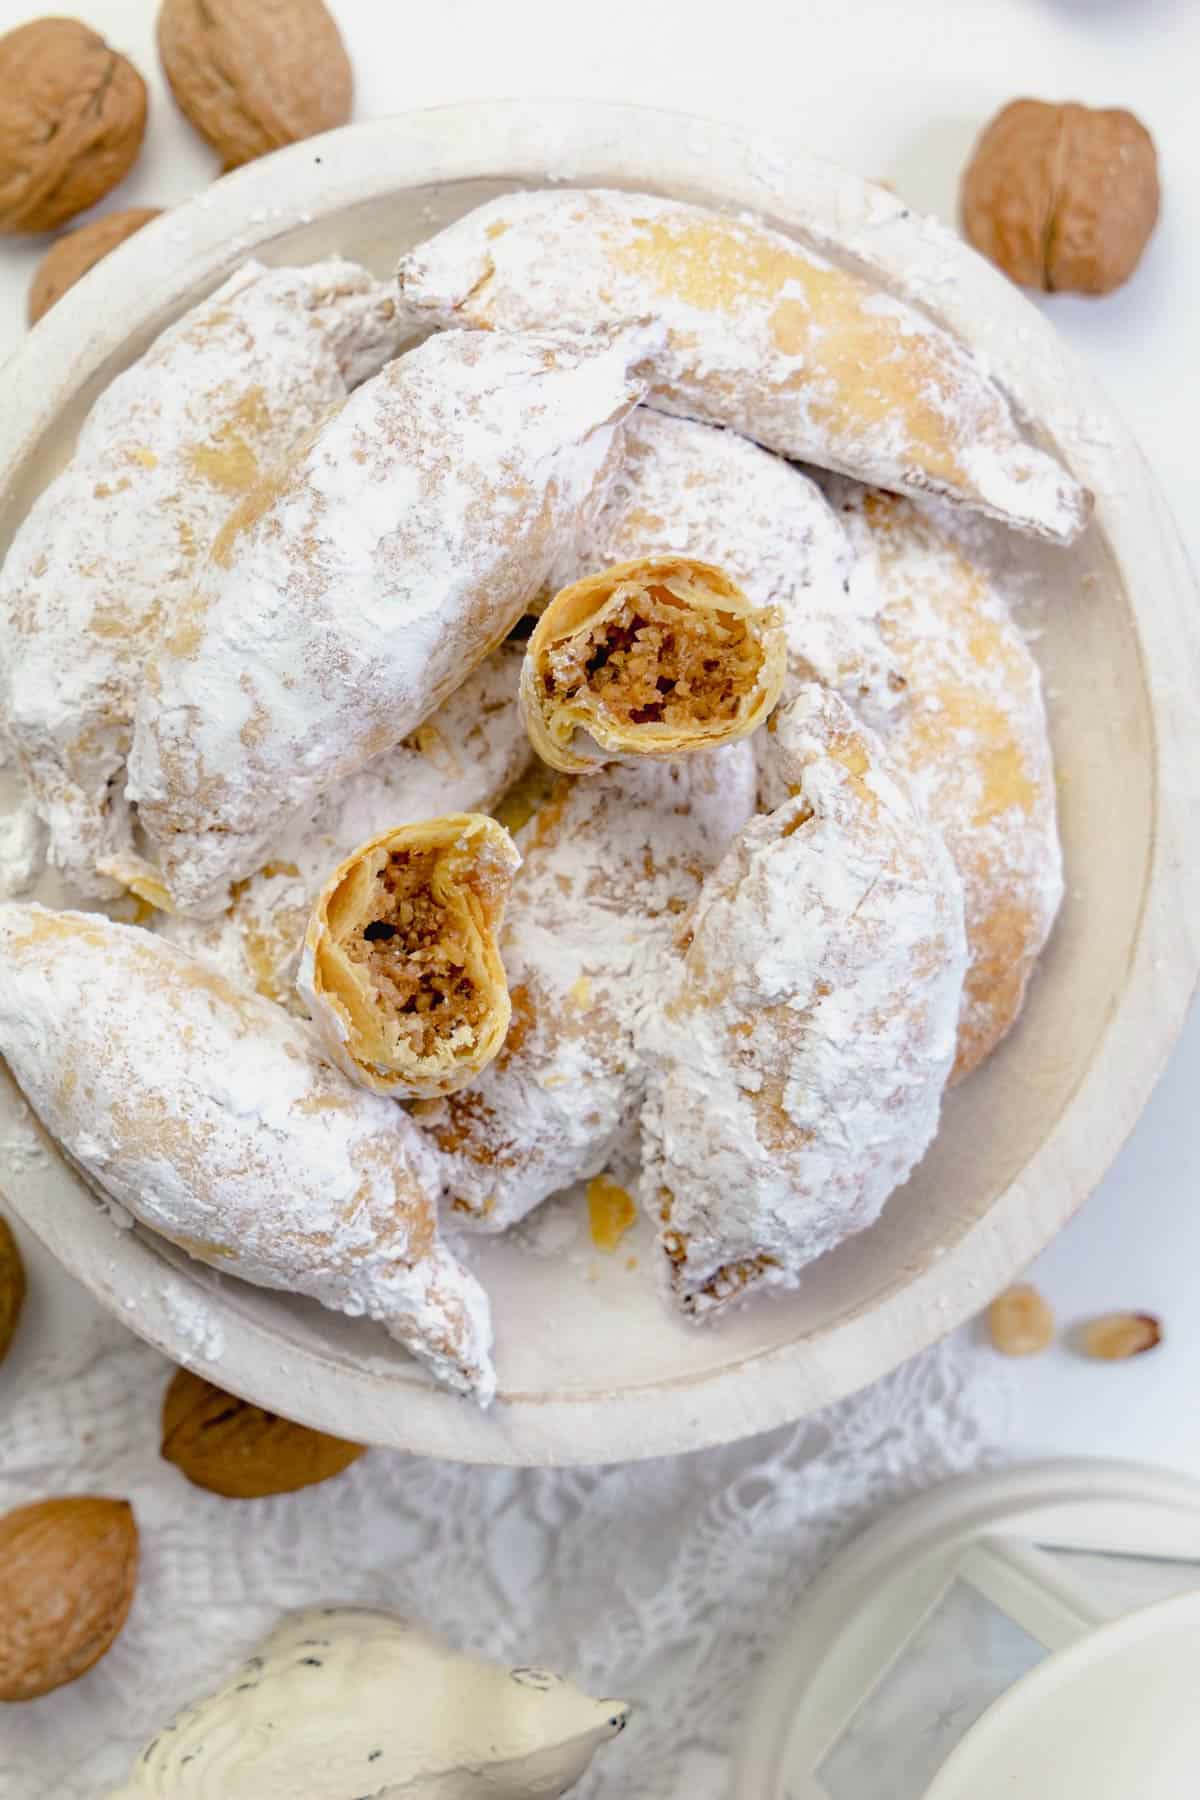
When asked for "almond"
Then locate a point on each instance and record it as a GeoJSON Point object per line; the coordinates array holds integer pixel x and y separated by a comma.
{"type": "Point", "coordinates": [1115, 1336]}
{"type": "Point", "coordinates": [1020, 1322]}
{"type": "Point", "coordinates": [68, 1568]}
{"type": "Point", "coordinates": [72, 119]}
{"type": "Point", "coordinates": [12, 1286]}
{"type": "Point", "coordinates": [233, 1448]}
{"type": "Point", "coordinates": [76, 252]}
{"type": "Point", "coordinates": [252, 75]}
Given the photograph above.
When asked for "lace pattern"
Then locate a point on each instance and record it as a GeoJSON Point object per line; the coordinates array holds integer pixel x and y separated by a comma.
{"type": "Point", "coordinates": [662, 1582]}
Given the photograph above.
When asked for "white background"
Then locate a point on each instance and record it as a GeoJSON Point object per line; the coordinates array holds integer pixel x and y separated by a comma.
{"type": "Point", "coordinates": [897, 90]}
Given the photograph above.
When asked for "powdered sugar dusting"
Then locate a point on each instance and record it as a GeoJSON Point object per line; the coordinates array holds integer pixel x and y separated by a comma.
{"type": "Point", "coordinates": [763, 335]}
{"type": "Point", "coordinates": [210, 1115]}
{"type": "Point", "coordinates": [692, 489]}
{"type": "Point", "coordinates": [22, 849]}
{"type": "Point", "coordinates": [806, 1025]}
{"type": "Point", "coordinates": [973, 742]}
{"type": "Point", "coordinates": [460, 760]}
{"type": "Point", "coordinates": [199, 1330]}
{"type": "Point", "coordinates": [384, 563]}
{"type": "Point", "coordinates": [108, 551]}
{"type": "Point", "coordinates": [21, 1147]}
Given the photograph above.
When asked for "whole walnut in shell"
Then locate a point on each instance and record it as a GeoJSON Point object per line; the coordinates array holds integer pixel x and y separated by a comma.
{"type": "Point", "coordinates": [252, 75]}
{"type": "Point", "coordinates": [72, 119]}
{"type": "Point", "coordinates": [1062, 198]}
{"type": "Point", "coordinates": [77, 251]}
{"type": "Point", "coordinates": [233, 1448]}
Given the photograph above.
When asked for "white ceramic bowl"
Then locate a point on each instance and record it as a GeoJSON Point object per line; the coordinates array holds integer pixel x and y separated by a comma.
{"type": "Point", "coordinates": [1113, 1715]}
{"type": "Point", "coordinates": [591, 1367]}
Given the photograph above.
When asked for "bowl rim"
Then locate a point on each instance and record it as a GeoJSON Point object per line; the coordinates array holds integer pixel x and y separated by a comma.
{"type": "Point", "coordinates": [580, 143]}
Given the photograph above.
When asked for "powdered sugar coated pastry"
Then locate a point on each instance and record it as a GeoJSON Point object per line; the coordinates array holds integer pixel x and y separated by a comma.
{"type": "Point", "coordinates": [211, 1116]}
{"type": "Point", "coordinates": [806, 1024]}
{"type": "Point", "coordinates": [974, 743]}
{"type": "Point", "coordinates": [462, 759]}
{"type": "Point", "coordinates": [690, 489]}
{"type": "Point", "coordinates": [111, 547]}
{"type": "Point", "coordinates": [764, 335]}
{"type": "Point", "coordinates": [359, 585]}
{"type": "Point", "coordinates": [609, 865]}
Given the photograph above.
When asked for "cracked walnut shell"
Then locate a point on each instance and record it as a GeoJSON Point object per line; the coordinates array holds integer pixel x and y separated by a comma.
{"type": "Point", "coordinates": [1062, 198]}
{"type": "Point", "coordinates": [72, 119]}
{"type": "Point", "coordinates": [252, 75]}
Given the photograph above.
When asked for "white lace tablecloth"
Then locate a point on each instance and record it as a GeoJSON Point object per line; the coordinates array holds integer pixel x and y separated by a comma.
{"type": "Point", "coordinates": [663, 1582]}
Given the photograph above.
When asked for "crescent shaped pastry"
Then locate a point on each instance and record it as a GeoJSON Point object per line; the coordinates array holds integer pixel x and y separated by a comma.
{"type": "Point", "coordinates": [464, 758]}
{"type": "Point", "coordinates": [360, 584]}
{"type": "Point", "coordinates": [686, 489]}
{"type": "Point", "coordinates": [608, 867]}
{"type": "Point", "coordinates": [973, 741]}
{"type": "Point", "coordinates": [210, 1114]}
{"type": "Point", "coordinates": [401, 973]}
{"type": "Point", "coordinates": [764, 335]}
{"type": "Point", "coordinates": [807, 1020]}
{"type": "Point", "coordinates": [658, 657]}
{"type": "Point", "coordinates": [110, 549]}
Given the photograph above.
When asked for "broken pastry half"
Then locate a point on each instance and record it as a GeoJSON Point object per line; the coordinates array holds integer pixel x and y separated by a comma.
{"type": "Point", "coordinates": [656, 657]}
{"type": "Point", "coordinates": [401, 971]}
{"type": "Point", "coordinates": [803, 1030]}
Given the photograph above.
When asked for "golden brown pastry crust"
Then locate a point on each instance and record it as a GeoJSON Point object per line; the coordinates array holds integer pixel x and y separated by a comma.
{"type": "Point", "coordinates": [973, 740]}
{"type": "Point", "coordinates": [401, 971]}
{"type": "Point", "coordinates": [810, 358]}
{"type": "Point", "coordinates": [657, 657]}
{"type": "Point", "coordinates": [215, 1119]}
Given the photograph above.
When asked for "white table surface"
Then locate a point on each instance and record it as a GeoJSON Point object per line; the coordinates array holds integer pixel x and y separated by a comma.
{"type": "Point", "coordinates": [896, 92]}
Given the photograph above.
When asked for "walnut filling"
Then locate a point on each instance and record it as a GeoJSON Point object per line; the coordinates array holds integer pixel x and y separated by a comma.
{"type": "Point", "coordinates": [415, 953]}
{"type": "Point", "coordinates": [656, 660]}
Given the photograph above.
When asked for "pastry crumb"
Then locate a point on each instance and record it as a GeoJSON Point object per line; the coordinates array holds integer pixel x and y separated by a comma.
{"type": "Point", "coordinates": [611, 1212]}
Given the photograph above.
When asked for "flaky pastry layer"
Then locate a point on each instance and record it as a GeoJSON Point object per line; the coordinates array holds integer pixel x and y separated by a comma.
{"type": "Point", "coordinates": [657, 657]}
{"type": "Point", "coordinates": [401, 972]}
{"type": "Point", "coordinates": [683, 488]}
